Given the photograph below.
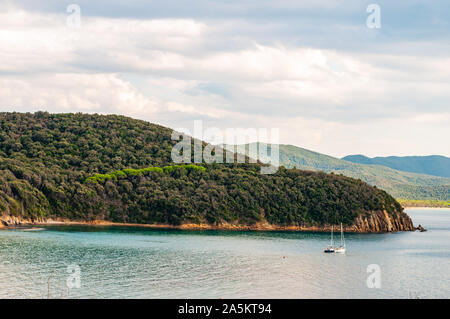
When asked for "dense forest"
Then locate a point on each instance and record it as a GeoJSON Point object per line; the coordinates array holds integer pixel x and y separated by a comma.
{"type": "Point", "coordinates": [96, 167]}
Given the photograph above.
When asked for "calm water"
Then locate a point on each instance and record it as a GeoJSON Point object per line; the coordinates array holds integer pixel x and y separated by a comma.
{"type": "Point", "coordinates": [142, 263]}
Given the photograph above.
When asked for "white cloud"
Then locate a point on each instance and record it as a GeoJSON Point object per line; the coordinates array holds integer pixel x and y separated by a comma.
{"type": "Point", "coordinates": [69, 92]}
{"type": "Point", "coordinates": [173, 71]}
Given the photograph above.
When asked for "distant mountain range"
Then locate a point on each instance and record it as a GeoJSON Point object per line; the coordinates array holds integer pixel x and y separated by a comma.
{"type": "Point", "coordinates": [400, 184]}
{"type": "Point", "coordinates": [432, 165]}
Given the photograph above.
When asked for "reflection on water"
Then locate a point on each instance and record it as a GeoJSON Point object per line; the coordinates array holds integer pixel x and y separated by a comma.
{"type": "Point", "coordinates": [126, 262]}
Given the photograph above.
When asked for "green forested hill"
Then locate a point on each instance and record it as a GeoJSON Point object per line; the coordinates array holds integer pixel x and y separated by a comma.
{"type": "Point", "coordinates": [399, 184]}
{"type": "Point", "coordinates": [431, 165]}
{"type": "Point", "coordinates": [50, 166]}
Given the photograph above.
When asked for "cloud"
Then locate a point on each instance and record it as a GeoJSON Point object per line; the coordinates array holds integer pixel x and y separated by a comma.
{"type": "Point", "coordinates": [323, 78]}
{"type": "Point", "coordinates": [300, 81]}
{"type": "Point", "coordinates": [102, 93]}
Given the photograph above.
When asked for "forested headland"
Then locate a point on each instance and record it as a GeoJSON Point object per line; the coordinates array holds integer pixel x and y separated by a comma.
{"type": "Point", "coordinates": [106, 167]}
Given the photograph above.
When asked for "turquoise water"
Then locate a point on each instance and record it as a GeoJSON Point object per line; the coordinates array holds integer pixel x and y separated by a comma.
{"type": "Point", "coordinates": [125, 262]}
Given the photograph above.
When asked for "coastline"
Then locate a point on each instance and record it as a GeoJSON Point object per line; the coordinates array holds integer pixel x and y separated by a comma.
{"type": "Point", "coordinates": [262, 226]}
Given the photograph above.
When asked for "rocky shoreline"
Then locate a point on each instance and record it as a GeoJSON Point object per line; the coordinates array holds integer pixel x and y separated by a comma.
{"type": "Point", "coordinates": [375, 222]}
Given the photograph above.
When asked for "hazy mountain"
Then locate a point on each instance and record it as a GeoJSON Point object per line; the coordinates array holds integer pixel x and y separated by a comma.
{"type": "Point", "coordinates": [398, 183]}
{"type": "Point", "coordinates": [432, 165]}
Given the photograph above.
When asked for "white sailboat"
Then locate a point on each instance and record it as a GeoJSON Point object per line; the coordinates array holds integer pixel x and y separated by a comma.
{"type": "Point", "coordinates": [341, 248]}
{"type": "Point", "coordinates": [330, 247]}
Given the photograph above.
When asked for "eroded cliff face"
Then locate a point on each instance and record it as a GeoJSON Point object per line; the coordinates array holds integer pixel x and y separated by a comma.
{"type": "Point", "coordinates": [13, 221]}
{"type": "Point", "coordinates": [372, 222]}
{"type": "Point", "coordinates": [382, 222]}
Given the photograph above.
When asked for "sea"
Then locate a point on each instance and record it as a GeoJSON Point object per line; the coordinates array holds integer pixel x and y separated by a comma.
{"type": "Point", "coordinates": [137, 262]}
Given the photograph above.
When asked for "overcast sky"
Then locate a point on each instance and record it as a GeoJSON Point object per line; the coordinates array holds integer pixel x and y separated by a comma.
{"type": "Point", "coordinates": [311, 68]}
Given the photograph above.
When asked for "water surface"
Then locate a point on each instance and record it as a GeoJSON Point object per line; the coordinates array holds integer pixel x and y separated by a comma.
{"type": "Point", "coordinates": [129, 262]}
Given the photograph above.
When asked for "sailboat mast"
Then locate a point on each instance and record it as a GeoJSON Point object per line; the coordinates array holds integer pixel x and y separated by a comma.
{"type": "Point", "coordinates": [342, 236]}
{"type": "Point", "coordinates": [331, 243]}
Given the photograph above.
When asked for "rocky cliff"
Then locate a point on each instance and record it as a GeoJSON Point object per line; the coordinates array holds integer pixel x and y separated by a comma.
{"type": "Point", "coordinates": [381, 222]}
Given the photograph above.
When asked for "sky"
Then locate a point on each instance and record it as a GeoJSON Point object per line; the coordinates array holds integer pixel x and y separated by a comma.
{"type": "Point", "coordinates": [312, 69]}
